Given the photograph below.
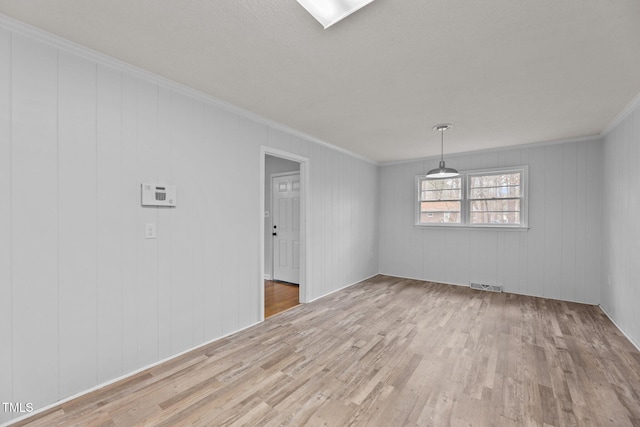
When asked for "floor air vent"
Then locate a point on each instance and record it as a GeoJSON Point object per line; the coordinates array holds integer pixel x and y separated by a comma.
{"type": "Point", "coordinates": [483, 287]}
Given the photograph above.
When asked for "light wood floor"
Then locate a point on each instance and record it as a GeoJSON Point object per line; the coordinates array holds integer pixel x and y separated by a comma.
{"type": "Point", "coordinates": [279, 297]}
{"type": "Point", "coordinates": [391, 352]}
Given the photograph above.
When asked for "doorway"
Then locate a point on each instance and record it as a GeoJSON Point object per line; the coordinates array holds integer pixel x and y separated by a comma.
{"type": "Point", "coordinates": [284, 230]}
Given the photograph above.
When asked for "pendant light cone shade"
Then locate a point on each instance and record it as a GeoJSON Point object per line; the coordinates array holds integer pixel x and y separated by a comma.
{"type": "Point", "coordinates": [328, 12]}
{"type": "Point", "coordinates": [442, 171]}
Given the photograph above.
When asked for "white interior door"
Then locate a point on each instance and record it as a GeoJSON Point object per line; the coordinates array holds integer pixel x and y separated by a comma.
{"type": "Point", "coordinates": [286, 227]}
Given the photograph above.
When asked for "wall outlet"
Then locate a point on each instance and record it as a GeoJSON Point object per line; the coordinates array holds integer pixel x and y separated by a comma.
{"type": "Point", "coordinates": [150, 230]}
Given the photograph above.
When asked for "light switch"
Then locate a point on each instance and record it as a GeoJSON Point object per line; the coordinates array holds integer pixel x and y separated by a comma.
{"type": "Point", "coordinates": [150, 230]}
{"type": "Point", "coordinates": [266, 214]}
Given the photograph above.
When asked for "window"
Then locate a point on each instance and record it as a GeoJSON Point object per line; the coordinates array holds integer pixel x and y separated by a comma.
{"type": "Point", "coordinates": [440, 201]}
{"type": "Point", "coordinates": [495, 197]}
{"type": "Point", "coordinates": [486, 198]}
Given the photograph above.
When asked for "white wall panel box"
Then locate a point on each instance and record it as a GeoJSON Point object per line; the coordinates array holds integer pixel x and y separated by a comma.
{"type": "Point", "coordinates": [158, 195]}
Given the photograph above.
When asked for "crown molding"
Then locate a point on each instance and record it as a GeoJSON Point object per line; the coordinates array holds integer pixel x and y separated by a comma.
{"type": "Point", "coordinates": [58, 42]}
{"type": "Point", "coordinates": [635, 103]}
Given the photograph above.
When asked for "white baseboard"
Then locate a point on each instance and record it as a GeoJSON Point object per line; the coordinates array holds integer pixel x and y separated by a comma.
{"type": "Point", "coordinates": [120, 378]}
{"type": "Point", "coordinates": [635, 344]}
{"type": "Point", "coordinates": [424, 280]}
{"type": "Point", "coordinates": [344, 287]}
{"type": "Point", "coordinates": [505, 289]}
{"type": "Point", "coordinates": [267, 277]}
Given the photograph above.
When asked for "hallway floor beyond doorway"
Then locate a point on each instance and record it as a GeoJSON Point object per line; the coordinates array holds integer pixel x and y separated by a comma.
{"type": "Point", "coordinates": [279, 297]}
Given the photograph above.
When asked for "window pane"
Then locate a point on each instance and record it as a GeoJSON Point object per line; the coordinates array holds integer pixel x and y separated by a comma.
{"type": "Point", "coordinates": [441, 189]}
{"type": "Point", "coordinates": [440, 218]}
{"type": "Point", "coordinates": [441, 195]}
{"type": "Point", "coordinates": [440, 212]}
{"type": "Point", "coordinates": [507, 179]}
{"type": "Point", "coordinates": [495, 211]}
{"type": "Point", "coordinates": [494, 192]}
{"type": "Point", "coordinates": [441, 184]}
{"type": "Point", "coordinates": [504, 218]}
{"type": "Point", "coordinates": [496, 186]}
{"type": "Point", "coordinates": [439, 206]}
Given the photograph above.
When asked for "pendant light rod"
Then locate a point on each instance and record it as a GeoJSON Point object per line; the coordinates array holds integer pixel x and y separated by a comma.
{"type": "Point", "coordinates": [441, 128]}
{"type": "Point", "coordinates": [442, 171]}
{"type": "Point", "coordinates": [442, 145]}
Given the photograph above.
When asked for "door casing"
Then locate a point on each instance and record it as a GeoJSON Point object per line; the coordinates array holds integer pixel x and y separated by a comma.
{"type": "Point", "coordinates": [305, 223]}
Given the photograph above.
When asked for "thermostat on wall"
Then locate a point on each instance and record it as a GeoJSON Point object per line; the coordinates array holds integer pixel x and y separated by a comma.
{"type": "Point", "coordinates": [158, 195]}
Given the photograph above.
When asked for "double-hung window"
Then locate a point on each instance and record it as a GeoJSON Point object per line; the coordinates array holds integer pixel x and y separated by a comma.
{"type": "Point", "coordinates": [440, 201]}
{"type": "Point", "coordinates": [484, 198]}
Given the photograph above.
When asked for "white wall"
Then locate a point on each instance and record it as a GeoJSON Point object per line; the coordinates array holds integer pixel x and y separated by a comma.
{"type": "Point", "coordinates": [272, 165]}
{"type": "Point", "coordinates": [84, 298]}
{"type": "Point", "coordinates": [558, 257]}
{"type": "Point", "coordinates": [621, 226]}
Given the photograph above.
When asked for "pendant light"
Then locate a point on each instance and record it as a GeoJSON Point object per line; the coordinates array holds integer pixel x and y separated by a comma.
{"type": "Point", "coordinates": [328, 12]}
{"type": "Point", "coordinates": [442, 171]}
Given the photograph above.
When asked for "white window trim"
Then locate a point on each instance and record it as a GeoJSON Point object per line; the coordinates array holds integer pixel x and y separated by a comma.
{"type": "Point", "coordinates": [465, 205]}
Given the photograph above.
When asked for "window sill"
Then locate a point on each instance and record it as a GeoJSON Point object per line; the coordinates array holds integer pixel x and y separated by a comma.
{"type": "Point", "coordinates": [468, 227]}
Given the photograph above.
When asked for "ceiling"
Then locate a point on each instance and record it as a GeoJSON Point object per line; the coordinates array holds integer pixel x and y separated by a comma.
{"type": "Point", "coordinates": [503, 72]}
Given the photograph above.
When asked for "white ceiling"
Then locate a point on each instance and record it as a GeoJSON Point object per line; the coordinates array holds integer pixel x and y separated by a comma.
{"type": "Point", "coordinates": [504, 72]}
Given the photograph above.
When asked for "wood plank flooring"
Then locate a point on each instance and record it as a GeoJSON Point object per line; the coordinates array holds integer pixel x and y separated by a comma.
{"type": "Point", "coordinates": [279, 297]}
{"type": "Point", "coordinates": [390, 352]}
